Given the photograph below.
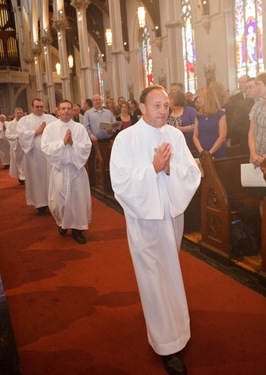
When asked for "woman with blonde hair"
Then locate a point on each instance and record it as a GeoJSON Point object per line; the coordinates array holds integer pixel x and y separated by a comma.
{"type": "Point", "coordinates": [221, 93]}
{"type": "Point", "coordinates": [110, 104]}
{"type": "Point", "coordinates": [210, 124]}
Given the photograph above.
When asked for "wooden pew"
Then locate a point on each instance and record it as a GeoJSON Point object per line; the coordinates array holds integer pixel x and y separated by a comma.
{"type": "Point", "coordinates": [222, 197]}
{"type": "Point", "coordinates": [262, 274]}
{"type": "Point", "coordinates": [100, 165]}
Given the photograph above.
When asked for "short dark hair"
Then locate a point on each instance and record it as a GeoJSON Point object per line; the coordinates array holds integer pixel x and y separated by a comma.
{"type": "Point", "coordinates": [37, 99]}
{"type": "Point", "coordinates": [64, 101]}
{"type": "Point", "coordinates": [147, 90]}
{"type": "Point", "coordinates": [89, 102]}
{"type": "Point", "coordinates": [133, 101]}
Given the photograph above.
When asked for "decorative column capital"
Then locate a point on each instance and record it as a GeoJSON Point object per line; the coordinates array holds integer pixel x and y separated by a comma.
{"type": "Point", "coordinates": [47, 40]}
{"type": "Point", "coordinates": [36, 50]}
{"type": "Point", "coordinates": [80, 4]}
{"type": "Point", "coordinates": [28, 60]}
{"type": "Point", "coordinates": [60, 25]}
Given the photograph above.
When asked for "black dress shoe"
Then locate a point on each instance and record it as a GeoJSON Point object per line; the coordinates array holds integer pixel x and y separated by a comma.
{"type": "Point", "coordinates": [21, 182]}
{"type": "Point", "coordinates": [42, 210]}
{"type": "Point", "coordinates": [78, 236]}
{"type": "Point", "coordinates": [62, 231]}
{"type": "Point", "coordinates": [174, 364]}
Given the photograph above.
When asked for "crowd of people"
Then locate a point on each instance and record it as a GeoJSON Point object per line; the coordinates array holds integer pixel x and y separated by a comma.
{"type": "Point", "coordinates": [153, 173]}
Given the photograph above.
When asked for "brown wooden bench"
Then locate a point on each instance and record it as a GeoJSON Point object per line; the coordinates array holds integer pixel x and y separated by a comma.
{"type": "Point", "coordinates": [99, 166]}
{"type": "Point", "coordinates": [262, 274]}
{"type": "Point", "coordinates": [222, 198]}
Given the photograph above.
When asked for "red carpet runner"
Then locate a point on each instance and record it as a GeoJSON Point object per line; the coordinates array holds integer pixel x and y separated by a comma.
{"type": "Point", "coordinates": [75, 308]}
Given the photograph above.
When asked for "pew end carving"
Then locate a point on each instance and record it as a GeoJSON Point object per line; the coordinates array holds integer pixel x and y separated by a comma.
{"type": "Point", "coordinates": [215, 212]}
{"type": "Point", "coordinates": [223, 200]}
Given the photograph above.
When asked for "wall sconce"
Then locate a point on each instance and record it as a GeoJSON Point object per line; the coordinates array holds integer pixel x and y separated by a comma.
{"type": "Point", "coordinates": [70, 61]}
{"type": "Point", "coordinates": [58, 68]}
{"type": "Point", "coordinates": [141, 16]}
{"type": "Point", "coordinates": [108, 34]}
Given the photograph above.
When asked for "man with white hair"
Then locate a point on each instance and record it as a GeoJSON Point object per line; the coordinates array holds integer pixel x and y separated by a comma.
{"type": "Point", "coordinates": [4, 144]}
{"type": "Point", "coordinates": [16, 169]}
{"type": "Point", "coordinates": [94, 116]}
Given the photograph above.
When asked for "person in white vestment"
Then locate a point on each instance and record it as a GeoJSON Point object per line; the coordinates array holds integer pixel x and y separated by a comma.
{"type": "Point", "coordinates": [66, 146]}
{"type": "Point", "coordinates": [154, 177]}
{"type": "Point", "coordinates": [36, 167]}
{"type": "Point", "coordinates": [16, 169]}
{"type": "Point", "coordinates": [4, 144]}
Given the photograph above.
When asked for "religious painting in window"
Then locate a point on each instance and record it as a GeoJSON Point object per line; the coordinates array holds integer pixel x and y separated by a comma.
{"type": "Point", "coordinates": [189, 52]}
{"type": "Point", "coordinates": [147, 57]}
{"type": "Point", "coordinates": [249, 37]}
{"type": "Point", "coordinates": [100, 84]}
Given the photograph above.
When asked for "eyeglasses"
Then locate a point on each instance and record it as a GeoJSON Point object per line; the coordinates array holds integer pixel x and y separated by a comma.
{"type": "Point", "coordinates": [39, 106]}
{"type": "Point", "coordinates": [65, 109]}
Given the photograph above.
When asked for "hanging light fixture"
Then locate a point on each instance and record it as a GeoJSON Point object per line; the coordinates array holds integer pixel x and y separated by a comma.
{"type": "Point", "coordinates": [58, 68]}
{"type": "Point", "coordinates": [70, 61]}
{"type": "Point", "coordinates": [141, 16]}
{"type": "Point", "coordinates": [108, 34]}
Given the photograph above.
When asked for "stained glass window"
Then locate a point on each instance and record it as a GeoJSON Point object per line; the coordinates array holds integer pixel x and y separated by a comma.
{"type": "Point", "coordinates": [147, 57]}
{"type": "Point", "coordinates": [249, 37]}
{"type": "Point", "coordinates": [189, 52]}
{"type": "Point", "coordinates": [100, 84]}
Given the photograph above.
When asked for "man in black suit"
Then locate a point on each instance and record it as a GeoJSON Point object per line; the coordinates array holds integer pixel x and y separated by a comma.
{"type": "Point", "coordinates": [230, 106]}
{"type": "Point", "coordinates": [240, 121]}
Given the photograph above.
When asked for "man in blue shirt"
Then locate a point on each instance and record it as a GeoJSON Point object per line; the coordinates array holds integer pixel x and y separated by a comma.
{"type": "Point", "coordinates": [94, 116]}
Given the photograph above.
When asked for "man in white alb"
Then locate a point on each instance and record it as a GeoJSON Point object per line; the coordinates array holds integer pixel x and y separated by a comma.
{"type": "Point", "coordinates": [16, 169]}
{"type": "Point", "coordinates": [154, 177]}
{"type": "Point", "coordinates": [4, 144]}
{"type": "Point", "coordinates": [37, 170]}
{"type": "Point", "coordinates": [66, 146]}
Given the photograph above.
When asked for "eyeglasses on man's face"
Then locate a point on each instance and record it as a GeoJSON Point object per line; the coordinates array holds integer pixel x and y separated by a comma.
{"type": "Point", "coordinates": [39, 106]}
{"type": "Point", "coordinates": [65, 108]}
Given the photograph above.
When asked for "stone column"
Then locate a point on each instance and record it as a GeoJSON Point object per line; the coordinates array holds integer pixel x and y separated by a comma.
{"type": "Point", "coordinates": [47, 40]}
{"type": "Point", "coordinates": [49, 71]}
{"type": "Point", "coordinates": [174, 25]}
{"type": "Point", "coordinates": [86, 73]}
{"type": "Point", "coordinates": [117, 50]}
{"type": "Point", "coordinates": [60, 24]}
{"type": "Point", "coordinates": [36, 50]}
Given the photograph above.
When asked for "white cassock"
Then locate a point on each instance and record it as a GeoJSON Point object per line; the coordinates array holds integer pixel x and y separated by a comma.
{"type": "Point", "coordinates": [16, 169]}
{"type": "Point", "coordinates": [36, 168]}
{"type": "Point", "coordinates": [154, 205]}
{"type": "Point", "coordinates": [4, 145]}
{"type": "Point", "coordinates": [69, 189]}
